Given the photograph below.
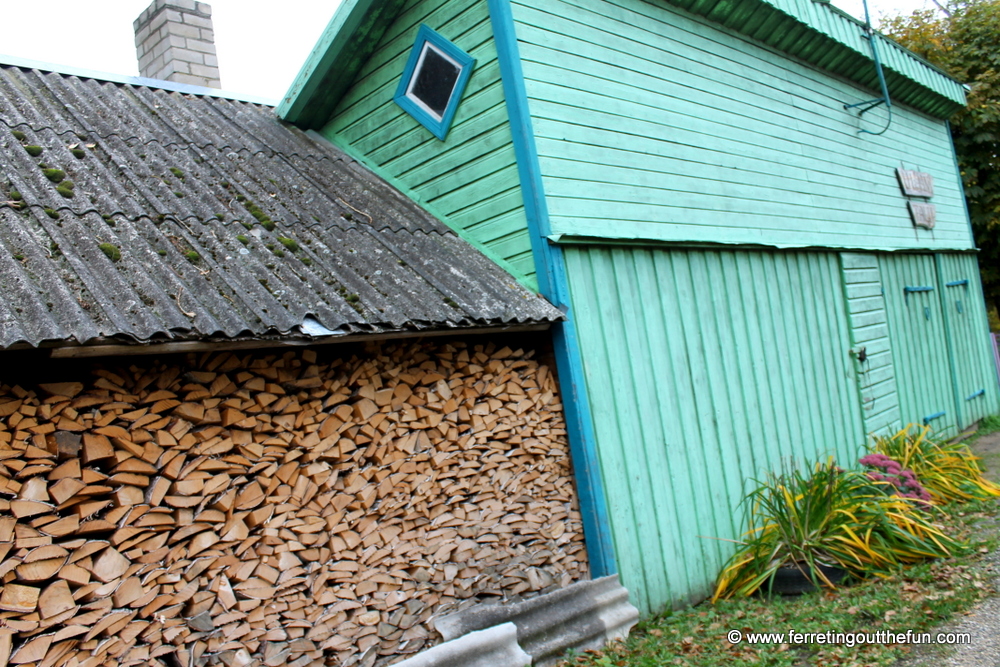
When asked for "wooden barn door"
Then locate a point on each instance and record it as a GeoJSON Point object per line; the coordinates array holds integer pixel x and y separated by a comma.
{"type": "Point", "coordinates": [919, 343]}
{"type": "Point", "coordinates": [975, 382]}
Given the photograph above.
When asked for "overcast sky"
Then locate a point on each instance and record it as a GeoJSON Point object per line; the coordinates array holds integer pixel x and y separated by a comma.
{"type": "Point", "coordinates": [261, 45]}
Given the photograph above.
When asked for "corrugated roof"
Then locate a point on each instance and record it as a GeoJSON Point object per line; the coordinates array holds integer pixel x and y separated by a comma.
{"type": "Point", "coordinates": [169, 185]}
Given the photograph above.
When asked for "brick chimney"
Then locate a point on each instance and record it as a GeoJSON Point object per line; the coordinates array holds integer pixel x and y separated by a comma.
{"type": "Point", "coordinates": [175, 42]}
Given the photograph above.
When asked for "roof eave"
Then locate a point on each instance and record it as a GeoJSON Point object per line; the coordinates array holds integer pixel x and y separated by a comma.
{"type": "Point", "coordinates": [821, 31]}
{"type": "Point", "coordinates": [117, 349]}
{"type": "Point", "coordinates": [348, 41]}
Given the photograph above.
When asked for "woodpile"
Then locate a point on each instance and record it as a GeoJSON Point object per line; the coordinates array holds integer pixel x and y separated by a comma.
{"type": "Point", "coordinates": [278, 510]}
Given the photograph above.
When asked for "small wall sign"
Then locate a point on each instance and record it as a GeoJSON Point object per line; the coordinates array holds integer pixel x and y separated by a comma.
{"type": "Point", "coordinates": [923, 215]}
{"type": "Point", "coordinates": [915, 183]}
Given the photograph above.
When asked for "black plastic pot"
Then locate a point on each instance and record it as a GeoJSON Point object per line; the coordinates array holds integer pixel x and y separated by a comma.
{"type": "Point", "coordinates": [790, 580]}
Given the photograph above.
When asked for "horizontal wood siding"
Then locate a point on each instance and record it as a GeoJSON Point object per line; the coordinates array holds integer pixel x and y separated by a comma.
{"type": "Point", "coordinates": [652, 123]}
{"type": "Point", "coordinates": [919, 344]}
{"type": "Point", "coordinates": [470, 180]}
{"type": "Point", "coordinates": [706, 369]}
{"type": "Point", "coordinates": [971, 349]}
{"type": "Point", "coordinates": [870, 332]}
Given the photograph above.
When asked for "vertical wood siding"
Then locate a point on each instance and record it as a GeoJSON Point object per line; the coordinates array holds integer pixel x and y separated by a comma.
{"type": "Point", "coordinates": [870, 331]}
{"type": "Point", "coordinates": [470, 180]}
{"type": "Point", "coordinates": [919, 346]}
{"type": "Point", "coordinates": [653, 123]}
{"type": "Point", "coordinates": [706, 369]}
{"type": "Point", "coordinates": [975, 378]}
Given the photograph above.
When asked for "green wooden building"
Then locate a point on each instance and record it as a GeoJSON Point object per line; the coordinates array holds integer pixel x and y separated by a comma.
{"type": "Point", "coordinates": [755, 273]}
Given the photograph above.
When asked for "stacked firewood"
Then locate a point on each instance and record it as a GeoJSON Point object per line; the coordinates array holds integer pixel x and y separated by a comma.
{"type": "Point", "coordinates": [278, 510]}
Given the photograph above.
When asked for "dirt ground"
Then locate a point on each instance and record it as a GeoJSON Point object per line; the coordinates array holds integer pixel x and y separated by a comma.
{"type": "Point", "coordinates": [983, 620]}
{"type": "Point", "coordinates": [988, 449]}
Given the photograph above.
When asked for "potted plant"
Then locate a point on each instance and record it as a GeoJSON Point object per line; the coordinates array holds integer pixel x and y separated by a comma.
{"type": "Point", "coordinates": [828, 519]}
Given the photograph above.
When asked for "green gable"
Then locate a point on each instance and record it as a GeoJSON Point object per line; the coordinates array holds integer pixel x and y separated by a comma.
{"type": "Point", "coordinates": [470, 179]}
{"type": "Point", "coordinates": [654, 124]}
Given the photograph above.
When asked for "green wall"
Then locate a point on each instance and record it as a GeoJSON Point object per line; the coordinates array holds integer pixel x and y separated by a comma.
{"type": "Point", "coordinates": [653, 123]}
{"type": "Point", "coordinates": [706, 368]}
{"type": "Point", "coordinates": [470, 180]}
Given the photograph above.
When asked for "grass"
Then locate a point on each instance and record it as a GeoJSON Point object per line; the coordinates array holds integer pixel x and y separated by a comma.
{"type": "Point", "coordinates": [918, 597]}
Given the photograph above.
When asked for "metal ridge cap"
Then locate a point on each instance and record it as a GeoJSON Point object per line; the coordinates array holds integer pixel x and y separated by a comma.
{"type": "Point", "coordinates": [158, 84]}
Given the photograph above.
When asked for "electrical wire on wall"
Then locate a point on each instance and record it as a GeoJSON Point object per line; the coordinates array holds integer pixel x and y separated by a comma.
{"type": "Point", "coordinates": [868, 105]}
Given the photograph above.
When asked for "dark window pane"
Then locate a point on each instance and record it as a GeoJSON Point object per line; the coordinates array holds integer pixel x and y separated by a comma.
{"type": "Point", "coordinates": [434, 81]}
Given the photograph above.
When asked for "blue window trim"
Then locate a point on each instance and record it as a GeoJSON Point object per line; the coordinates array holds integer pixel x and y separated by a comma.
{"type": "Point", "coordinates": [438, 127]}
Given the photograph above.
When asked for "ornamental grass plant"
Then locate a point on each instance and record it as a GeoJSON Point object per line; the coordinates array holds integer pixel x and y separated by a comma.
{"type": "Point", "coordinates": [829, 517]}
{"type": "Point", "coordinates": [949, 471]}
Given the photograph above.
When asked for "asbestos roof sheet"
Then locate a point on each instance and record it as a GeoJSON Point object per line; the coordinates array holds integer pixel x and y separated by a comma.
{"type": "Point", "coordinates": [200, 218]}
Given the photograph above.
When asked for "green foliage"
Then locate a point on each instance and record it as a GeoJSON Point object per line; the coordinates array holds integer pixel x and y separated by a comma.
{"type": "Point", "coordinates": [288, 243]}
{"type": "Point", "coordinates": [831, 517]}
{"type": "Point", "coordinates": [242, 239]}
{"type": "Point", "coordinates": [112, 251]}
{"type": "Point", "coordinates": [161, 252]}
{"type": "Point", "coordinates": [19, 135]}
{"type": "Point", "coordinates": [192, 256]}
{"type": "Point", "coordinates": [306, 261]}
{"type": "Point", "coordinates": [948, 471]}
{"type": "Point", "coordinates": [52, 213]}
{"type": "Point", "coordinates": [78, 153]}
{"type": "Point", "coordinates": [990, 424]}
{"type": "Point", "coordinates": [14, 195]}
{"type": "Point", "coordinates": [66, 189]}
{"type": "Point", "coordinates": [177, 172]}
{"type": "Point", "coordinates": [33, 151]}
{"type": "Point", "coordinates": [965, 46]}
{"type": "Point", "coordinates": [54, 175]}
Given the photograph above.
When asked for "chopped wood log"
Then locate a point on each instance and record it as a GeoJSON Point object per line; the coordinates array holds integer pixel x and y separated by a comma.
{"type": "Point", "coordinates": [16, 597]}
{"type": "Point", "coordinates": [56, 599]}
{"type": "Point", "coordinates": [278, 510]}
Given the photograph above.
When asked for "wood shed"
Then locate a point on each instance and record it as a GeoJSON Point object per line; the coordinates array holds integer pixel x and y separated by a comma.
{"type": "Point", "coordinates": [256, 406]}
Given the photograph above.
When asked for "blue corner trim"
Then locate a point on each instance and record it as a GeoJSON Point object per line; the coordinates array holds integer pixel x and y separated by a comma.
{"type": "Point", "coordinates": [551, 272]}
{"type": "Point", "coordinates": [981, 392]}
{"type": "Point", "coordinates": [958, 283]}
{"type": "Point", "coordinates": [961, 183]}
{"type": "Point", "coordinates": [438, 126]}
